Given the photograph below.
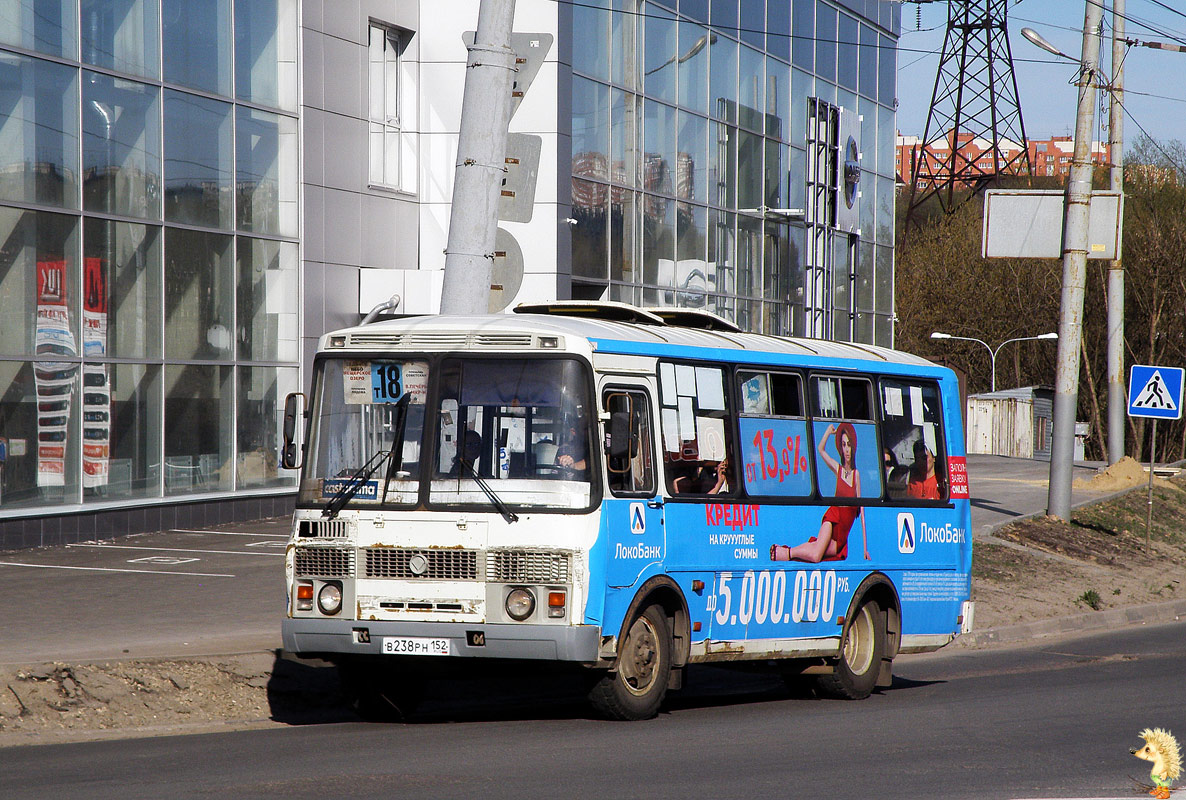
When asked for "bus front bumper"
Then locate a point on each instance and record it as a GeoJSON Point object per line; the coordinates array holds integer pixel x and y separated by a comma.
{"type": "Point", "coordinates": [329, 637]}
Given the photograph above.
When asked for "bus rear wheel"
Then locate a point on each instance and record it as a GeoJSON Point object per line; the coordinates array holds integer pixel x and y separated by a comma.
{"type": "Point", "coordinates": [859, 661]}
{"type": "Point", "coordinates": [635, 688]}
{"type": "Point", "coordinates": [378, 693]}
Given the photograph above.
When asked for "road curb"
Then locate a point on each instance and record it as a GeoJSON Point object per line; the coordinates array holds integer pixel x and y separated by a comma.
{"type": "Point", "coordinates": [1075, 623]}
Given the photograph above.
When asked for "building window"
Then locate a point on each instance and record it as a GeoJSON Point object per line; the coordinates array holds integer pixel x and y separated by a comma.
{"type": "Point", "coordinates": [390, 141]}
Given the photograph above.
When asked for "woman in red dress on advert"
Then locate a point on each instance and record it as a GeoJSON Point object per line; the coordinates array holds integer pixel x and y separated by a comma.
{"type": "Point", "coordinates": [831, 544]}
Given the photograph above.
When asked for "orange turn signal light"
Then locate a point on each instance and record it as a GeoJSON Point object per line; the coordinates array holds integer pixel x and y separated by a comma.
{"type": "Point", "coordinates": [304, 591]}
{"type": "Point", "coordinates": [555, 599]}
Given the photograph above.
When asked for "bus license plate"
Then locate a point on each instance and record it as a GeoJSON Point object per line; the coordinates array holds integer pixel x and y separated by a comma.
{"type": "Point", "coordinates": [416, 646]}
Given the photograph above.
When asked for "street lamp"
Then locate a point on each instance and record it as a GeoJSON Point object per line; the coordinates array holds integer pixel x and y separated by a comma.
{"type": "Point", "coordinates": [991, 351]}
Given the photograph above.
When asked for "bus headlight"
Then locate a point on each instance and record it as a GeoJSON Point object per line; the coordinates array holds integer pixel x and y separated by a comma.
{"type": "Point", "coordinates": [329, 599]}
{"type": "Point", "coordinates": [520, 604]}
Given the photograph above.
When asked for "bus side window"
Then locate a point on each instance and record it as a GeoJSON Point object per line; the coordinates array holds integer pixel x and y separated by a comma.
{"type": "Point", "coordinates": [775, 445]}
{"type": "Point", "coordinates": [694, 417]}
{"type": "Point", "coordinates": [915, 451]}
{"type": "Point", "coordinates": [848, 457]}
{"type": "Point", "coordinates": [630, 461]}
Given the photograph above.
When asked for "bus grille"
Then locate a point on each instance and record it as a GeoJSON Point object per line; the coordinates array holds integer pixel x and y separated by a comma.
{"type": "Point", "coordinates": [323, 529]}
{"type": "Point", "coordinates": [527, 566]}
{"type": "Point", "coordinates": [441, 340]}
{"type": "Point", "coordinates": [325, 562]}
{"type": "Point", "coordinates": [435, 565]}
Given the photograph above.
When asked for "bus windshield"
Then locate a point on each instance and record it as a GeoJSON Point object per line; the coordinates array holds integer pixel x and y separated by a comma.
{"type": "Point", "coordinates": [510, 432]}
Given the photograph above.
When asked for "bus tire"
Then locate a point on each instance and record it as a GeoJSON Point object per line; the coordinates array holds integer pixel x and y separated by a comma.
{"type": "Point", "coordinates": [634, 689]}
{"type": "Point", "coordinates": [859, 662]}
{"type": "Point", "coordinates": [376, 694]}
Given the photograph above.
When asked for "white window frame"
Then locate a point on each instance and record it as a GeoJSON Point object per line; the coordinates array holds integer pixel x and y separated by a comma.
{"type": "Point", "coordinates": [390, 157]}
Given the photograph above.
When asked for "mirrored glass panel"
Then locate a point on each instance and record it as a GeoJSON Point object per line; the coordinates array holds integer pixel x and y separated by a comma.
{"type": "Point", "coordinates": [260, 419]}
{"type": "Point", "coordinates": [199, 421]}
{"type": "Point", "coordinates": [266, 183]}
{"type": "Point", "coordinates": [196, 37]}
{"type": "Point", "coordinates": [590, 205]}
{"type": "Point", "coordinates": [122, 289]}
{"type": "Point", "coordinates": [825, 42]}
{"type": "Point", "coordinates": [590, 129]}
{"type": "Point", "coordinates": [199, 310]}
{"type": "Point", "coordinates": [694, 43]}
{"type": "Point", "coordinates": [722, 79]}
{"type": "Point", "coordinates": [47, 26]}
{"type": "Point", "coordinates": [751, 89]}
{"type": "Point", "coordinates": [39, 417]}
{"type": "Point", "coordinates": [121, 35]}
{"type": "Point", "coordinates": [265, 52]}
{"type": "Point", "coordinates": [691, 174]}
{"type": "Point", "coordinates": [267, 299]}
{"type": "Point", "coordinates": [121, 431]}
{"type": "Point", "coordinates": [659, 56]}
{"type": "Point", "coordinates": [38, 132]}
{"type": "Point", "coordinates": [624, 236]}
{"type": "Point", "coordinates": [121, 146]}
{"type": "Point", "coordinates": [197, 160]}
{"type": "Point", "coordinates": [847, 58]}
{"type": "Point", "coordinates": [39, 302]}
{"type": "Point", "coordinates": [624, 122]}
{"type": "Point", "coordinates": [591, 21]}
{"type": "Point", "coordinates": [803, 34]}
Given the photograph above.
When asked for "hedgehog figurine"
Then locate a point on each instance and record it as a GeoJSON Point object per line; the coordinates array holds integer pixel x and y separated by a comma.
{"type": "Point", "coordinates": [1161, 748]}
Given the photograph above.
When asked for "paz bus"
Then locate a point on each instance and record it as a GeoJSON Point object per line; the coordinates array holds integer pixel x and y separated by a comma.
{"type": "Point", "coordinates": [632, 491]}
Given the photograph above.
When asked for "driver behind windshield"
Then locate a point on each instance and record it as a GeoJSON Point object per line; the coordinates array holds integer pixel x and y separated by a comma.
{"type": "Point", "coordinates": [571, 454]}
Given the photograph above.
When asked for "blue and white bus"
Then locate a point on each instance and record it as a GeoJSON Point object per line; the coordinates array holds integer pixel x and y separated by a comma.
{"type": "Point", "coordinates": [632, 491]}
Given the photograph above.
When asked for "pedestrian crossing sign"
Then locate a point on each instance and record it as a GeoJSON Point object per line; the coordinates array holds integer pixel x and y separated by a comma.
{"type": "Point", "coordinates": [1155, 391]}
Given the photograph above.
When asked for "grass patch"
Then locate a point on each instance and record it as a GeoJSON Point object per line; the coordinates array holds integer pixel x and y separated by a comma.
{"type": "Point", "coordinates": [1091, 599]}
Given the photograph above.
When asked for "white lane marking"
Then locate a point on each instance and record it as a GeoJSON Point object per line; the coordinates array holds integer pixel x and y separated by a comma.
{"type": "Point", "coordinates": [164, 561]}
{"type": "Point", "coordinates": [113, 569]}
{"type": "Point", "coordinates": [228, 533]}
{"type": "Point", "coordinates": [269, 543]}
{"type": "Point", "coordinates": [102, 546]}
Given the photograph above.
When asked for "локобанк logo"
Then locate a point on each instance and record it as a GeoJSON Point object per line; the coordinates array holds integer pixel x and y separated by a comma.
{"type": "Point", "coordinates": [906, 533]}
{"type": "Point", "coordinates": [638, 519]}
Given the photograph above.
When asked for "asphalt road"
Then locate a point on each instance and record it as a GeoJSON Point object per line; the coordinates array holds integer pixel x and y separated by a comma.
{"type": "Point", "coordinates": [187, 593]}
{"type": "Point", "coordinates": [1049, 720]}
{"type": "Point", "coordinates": [173, 593]}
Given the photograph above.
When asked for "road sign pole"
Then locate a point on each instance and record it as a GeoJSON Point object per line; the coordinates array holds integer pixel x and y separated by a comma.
{"type": "Point", "coordinates": [1152, 460]}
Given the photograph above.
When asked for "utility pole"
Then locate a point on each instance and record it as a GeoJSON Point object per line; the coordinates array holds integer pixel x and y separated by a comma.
{"type": "Point", "coordinates": [1074, 274]}
{"type": "Point", "coordinates": [1117, 402]}
{"type": "Point", "coordinates": [481, 162]}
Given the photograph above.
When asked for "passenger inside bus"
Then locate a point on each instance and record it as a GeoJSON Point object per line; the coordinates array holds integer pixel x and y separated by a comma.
{"type": "Point", "coordinates": [923, 485]}
{"type": "Point", "coordinates": [711, 477]}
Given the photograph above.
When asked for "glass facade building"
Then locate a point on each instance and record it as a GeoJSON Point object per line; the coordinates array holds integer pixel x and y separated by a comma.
{"type": "Point", "coordinates": [148, 249]}
{"type": "Point", "coordinates": [193, 191]}
{"type": "Point", "coordinates": [709, 160]}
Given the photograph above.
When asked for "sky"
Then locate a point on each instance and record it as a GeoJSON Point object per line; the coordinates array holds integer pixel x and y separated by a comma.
{"type": "Point", "coordinates": [1154, 80]}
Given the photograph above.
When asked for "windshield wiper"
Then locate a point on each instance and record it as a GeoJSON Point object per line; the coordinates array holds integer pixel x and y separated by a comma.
{"type": "Point", "coordinates": [507, 514]}
{"type": "Point", "coordinates": [395, 456]}
{"type": "Point", "coordinates": [364, 473]}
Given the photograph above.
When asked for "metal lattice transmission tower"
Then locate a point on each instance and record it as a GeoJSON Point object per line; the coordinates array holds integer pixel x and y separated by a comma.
{"type": "Point", "coordinates": [974, 131]}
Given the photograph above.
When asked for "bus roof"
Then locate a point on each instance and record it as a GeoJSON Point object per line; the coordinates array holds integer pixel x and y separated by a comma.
{"type": "Point", "coordinates": [520, 331]}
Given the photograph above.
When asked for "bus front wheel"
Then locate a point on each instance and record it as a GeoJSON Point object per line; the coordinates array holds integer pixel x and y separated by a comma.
{"type": "Point", "coordinates": [859, 661]}
{"type": "Point", "coordinates": [635, 688]}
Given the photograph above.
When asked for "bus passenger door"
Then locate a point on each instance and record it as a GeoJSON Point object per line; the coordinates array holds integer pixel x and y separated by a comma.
{"type": "Point", "coordinates": [632, 512]}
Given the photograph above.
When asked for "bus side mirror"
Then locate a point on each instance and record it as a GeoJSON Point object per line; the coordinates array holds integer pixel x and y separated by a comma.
{"type": "Point", "coordinates": [294, 409]}
{"type": "Point", "coordinates": [619, 434]}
